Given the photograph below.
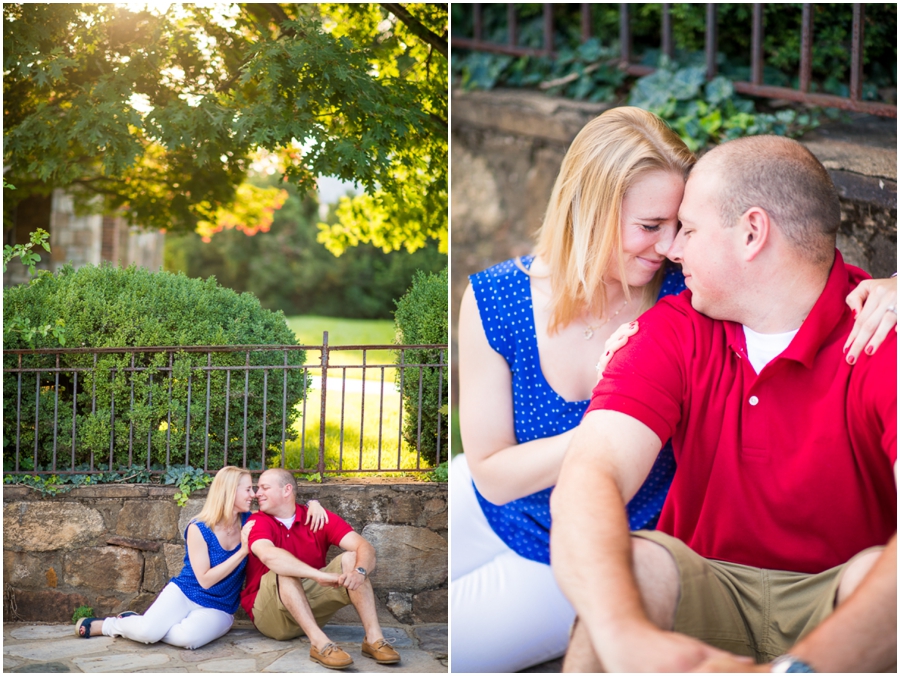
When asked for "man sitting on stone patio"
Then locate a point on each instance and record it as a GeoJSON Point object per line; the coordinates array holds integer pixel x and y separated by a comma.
{"type": "Point", "coordinates": [290, 591]}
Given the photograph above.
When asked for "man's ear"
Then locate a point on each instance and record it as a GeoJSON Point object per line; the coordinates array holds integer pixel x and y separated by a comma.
{"type": "Point", "coordinates": [755, 228]}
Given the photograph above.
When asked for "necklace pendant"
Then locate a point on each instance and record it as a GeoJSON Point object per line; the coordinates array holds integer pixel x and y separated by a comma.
{"type": "Point", "coordinates": [588, 333]}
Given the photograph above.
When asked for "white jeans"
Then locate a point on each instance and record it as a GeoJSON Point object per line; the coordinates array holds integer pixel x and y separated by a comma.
{"type": "Point", "coordinates": [507, 612]}
{"type": "Point", "coordinates": [174, 619]}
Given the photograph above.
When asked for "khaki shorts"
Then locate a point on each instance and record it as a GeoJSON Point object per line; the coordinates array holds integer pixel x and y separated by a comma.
{"type": "Point", "coordinates": [744, 610]}
{"type": "Point", "coordinates": [274, 620]}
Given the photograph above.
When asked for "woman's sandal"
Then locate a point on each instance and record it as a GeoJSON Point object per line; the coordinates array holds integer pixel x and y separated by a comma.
{"type": "Point", "coordinates": [127, 613]}
{"type": "Point", "coordinates": [85, 623]}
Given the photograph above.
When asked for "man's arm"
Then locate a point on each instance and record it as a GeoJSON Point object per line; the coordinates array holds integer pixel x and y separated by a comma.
{"type": "Point", "coordinates": [609, 458]}
{"type": "Point", "coordinates": [365, 558]}
{"type": "Point", "coordinates": [284, 563]}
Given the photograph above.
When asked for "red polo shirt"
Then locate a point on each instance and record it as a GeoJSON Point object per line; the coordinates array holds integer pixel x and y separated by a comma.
{"type": "Point", "coordinates": [300, 541]}
{"type": "Point", "coordinates": [791, 469]}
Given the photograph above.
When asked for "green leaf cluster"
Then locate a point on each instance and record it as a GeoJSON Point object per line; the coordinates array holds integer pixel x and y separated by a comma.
{"type": "Point", "coordinates": [186, 480]}
{"type": "Point", "coordinates": [441, 473]}
{"type": "Point", "coordinates": [119, 414]}
{"type": "Point", "coordinates": [706, 113]}
{"type": "Point", "coordinates": [160, 115]}
{"type": "Point", "coordinates": [422, 319]}
{"type": "Point", "coordinates": [55, 484]}
{"type": "Point", "coordinates": [587, 72]}
{"type": "Point", "coordinates": [23, 252]}
{"type": "Point", "coordinates": [82, 611]}
{"type": "Point", "coordinates": [288, 270]}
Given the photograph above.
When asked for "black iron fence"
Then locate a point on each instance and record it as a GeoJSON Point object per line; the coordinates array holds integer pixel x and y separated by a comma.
{"type": "Point", "coordinates": [754, 86]}
{"type": "Point", "coordinates": [311, 409]}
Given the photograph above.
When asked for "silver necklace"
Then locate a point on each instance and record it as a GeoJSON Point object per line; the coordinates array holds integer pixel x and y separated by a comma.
{"type": "Point", "coordinates": [589, 331]}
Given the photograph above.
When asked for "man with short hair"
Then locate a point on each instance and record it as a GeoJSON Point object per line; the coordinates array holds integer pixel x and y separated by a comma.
{"type": "Point", "coordinates": [778, 537]}
{"type": "Point", "coordinates": [290, 591]}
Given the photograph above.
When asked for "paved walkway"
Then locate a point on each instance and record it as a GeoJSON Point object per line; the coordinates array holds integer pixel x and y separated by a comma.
{"type": "Point", "coordinates": [54, 648]}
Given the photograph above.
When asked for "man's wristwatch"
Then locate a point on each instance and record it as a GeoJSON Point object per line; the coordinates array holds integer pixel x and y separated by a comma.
{"type": "Point", "coordinates": [788, 664]}
{"type": "Point", "coordinates": [361, 571]}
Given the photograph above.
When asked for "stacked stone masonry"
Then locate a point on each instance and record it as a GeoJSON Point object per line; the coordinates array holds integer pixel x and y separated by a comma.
{"type": "Point", "coordinates": [113, 548]}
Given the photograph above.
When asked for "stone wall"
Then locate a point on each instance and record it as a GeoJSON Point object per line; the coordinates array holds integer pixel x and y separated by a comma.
{"type": "Point", "coordinates": [507, 147]}
{"type": "Point", "coordinates": [114, 547]}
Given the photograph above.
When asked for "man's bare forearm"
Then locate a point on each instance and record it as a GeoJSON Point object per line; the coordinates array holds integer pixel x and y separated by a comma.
{"type": "Point", "coordinates": [365, 557]}
{"type": "Point", "coordinates": [590, 544]}
{"type": "Point", "coordinates": [861, 635]}
{"type": "Point", "coordinates": [282, 562]}
{"type": "Point", "coordinates": [591, 549]}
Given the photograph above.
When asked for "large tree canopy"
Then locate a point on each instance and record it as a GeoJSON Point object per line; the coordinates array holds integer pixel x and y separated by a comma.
{"type": "Point", "coordinates": [162, 113]}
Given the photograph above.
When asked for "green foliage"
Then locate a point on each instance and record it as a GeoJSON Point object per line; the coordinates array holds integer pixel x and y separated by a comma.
{"type": "Point", "coordinates": [186, 480]}
{"type": "Point", "coordinates": [82, 611]}
{"type": "Point", "coordinates": [45, 485]}
{"type": "Point", "coordinates": [29, 333]}
{"type": "Point", "coordinates": [288, 270]}
{"type": "Point", "coordinates": [111, 307]}
{"type": "Point", "coordinates": [162, 114]}
{"type": "Point", "coordinates": [781, 43]}
{"type": "Point", "coordinates": [22, 325]}
{"type": "Point", "coordinates": [706, 113]}
{"type": "Point", "coordinates": [407, 206]}
{"type": "Point", "coordinates": [55, 484]}
{"type": "Point", "coordinates": [587, 72]}
{"type": "Point", "coordinates": [421, 319]}
{"type": "Point", "coordinates": [39, 237]}
{"type": "Point", "coordinates": [440, 474]}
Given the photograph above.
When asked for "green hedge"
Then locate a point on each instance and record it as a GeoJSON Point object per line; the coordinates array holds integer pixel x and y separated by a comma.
{"type": "Point", "coordinates": [111, 307]}
{"type": "Point", "coordinates": [421, 319]}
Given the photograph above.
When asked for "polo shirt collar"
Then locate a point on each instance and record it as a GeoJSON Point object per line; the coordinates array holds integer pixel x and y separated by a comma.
{"type": "Point", "coordinates": [818, 325]}
{"type": "Point", "coordinates": [296, 515]}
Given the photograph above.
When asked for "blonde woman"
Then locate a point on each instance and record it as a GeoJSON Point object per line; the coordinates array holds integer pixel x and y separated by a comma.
{"type": "Point", "coordinates": [531, 331]}
{"type": "Point", "coordinates": [198, 606]}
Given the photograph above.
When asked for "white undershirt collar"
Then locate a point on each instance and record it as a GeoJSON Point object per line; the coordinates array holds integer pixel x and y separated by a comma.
{"type": "Point", "coordinates": [764, 347]}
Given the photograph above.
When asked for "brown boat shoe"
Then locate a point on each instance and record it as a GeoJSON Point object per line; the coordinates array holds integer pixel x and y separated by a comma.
{"type": "Point", "coordinates": [381, 651]}
{"type": "Point", "coordinates": [330, 656]}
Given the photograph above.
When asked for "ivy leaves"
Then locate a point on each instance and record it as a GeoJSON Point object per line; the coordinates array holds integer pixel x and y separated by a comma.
{"type": "Point", "coordinates": [706, 113]}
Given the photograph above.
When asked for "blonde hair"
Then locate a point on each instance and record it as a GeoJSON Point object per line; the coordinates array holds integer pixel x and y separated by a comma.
{"type": "Point", "coordinates": [580, 239]}
{"type": "Point", "coordinates": [219, 503]}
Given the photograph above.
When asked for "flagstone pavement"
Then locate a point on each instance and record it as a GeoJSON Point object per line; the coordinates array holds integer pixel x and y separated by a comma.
{"type": "Point", "coordinates": [54, 648]}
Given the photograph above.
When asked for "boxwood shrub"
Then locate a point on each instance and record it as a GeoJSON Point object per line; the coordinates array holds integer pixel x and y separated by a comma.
{"type": "Point", "coordinates": [120, 412]}
{"type": "Point", "coordinates": [421, 319]}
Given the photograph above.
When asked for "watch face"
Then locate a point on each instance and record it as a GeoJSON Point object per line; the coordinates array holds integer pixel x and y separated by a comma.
{"type": "Point", "coordinates": [361, 570]}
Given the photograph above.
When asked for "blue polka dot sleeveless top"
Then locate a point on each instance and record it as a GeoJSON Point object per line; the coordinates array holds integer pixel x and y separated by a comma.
{"type": "Point", "coordinates": [503, 295]}
{"type": "Point", "coordinates": [223, 595]}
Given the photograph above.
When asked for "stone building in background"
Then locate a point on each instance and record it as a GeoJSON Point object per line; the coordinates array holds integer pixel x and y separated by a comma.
{"type": "Point", "coordinates": [79, 239]}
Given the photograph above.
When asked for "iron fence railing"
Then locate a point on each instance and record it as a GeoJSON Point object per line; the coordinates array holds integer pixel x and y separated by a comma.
{"type": "Point", "coordinates": [754, 87]}
{"type": "Point", "coordinates": [91, 410]}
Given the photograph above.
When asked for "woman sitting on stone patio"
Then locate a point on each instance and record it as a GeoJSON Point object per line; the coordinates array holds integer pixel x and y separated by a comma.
{"type": "Point", "coordinates": [198, 606]}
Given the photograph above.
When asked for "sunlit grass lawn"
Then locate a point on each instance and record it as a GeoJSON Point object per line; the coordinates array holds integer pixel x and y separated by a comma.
{"type": "Point", "coordinates": [389, 417]}
{"type": "Point", "coordinates": [308, 330]}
